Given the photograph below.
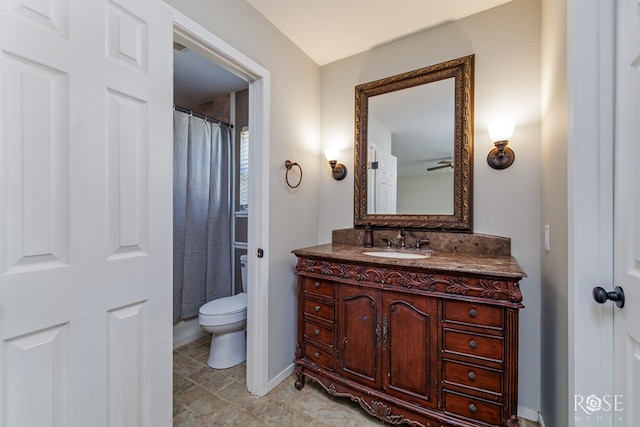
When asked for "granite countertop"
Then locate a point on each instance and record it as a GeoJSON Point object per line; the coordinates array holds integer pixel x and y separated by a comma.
{"type": "Point", "coordinates": [504, 266]}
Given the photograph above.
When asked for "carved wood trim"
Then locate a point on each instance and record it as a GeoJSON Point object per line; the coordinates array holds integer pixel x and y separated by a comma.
{"type": "Point", "coordinates": [494, 290]}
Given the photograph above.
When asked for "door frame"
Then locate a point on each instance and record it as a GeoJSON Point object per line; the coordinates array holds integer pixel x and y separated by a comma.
{"type": "Point", "coordinates": [225, 55]}
{"type": "Point", "coordinates": [590, 96]}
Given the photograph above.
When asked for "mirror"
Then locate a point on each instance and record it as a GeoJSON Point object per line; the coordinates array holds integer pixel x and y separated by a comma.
{"type": "Point", "coordinates": [414, 149]}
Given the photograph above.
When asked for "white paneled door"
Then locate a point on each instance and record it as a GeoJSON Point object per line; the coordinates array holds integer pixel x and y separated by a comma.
{"type": "Point", "coordinates": [626, 404]}
{"type": "Point", "coordinates": [85, 213]}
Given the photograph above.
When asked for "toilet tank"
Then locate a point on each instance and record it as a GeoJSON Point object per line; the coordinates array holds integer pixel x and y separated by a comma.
{"type": "Point", "coordinates": [243, 272]}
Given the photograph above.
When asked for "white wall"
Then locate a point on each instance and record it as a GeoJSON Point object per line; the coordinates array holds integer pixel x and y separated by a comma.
{"type": "Point", "coordinates": [439, 187]}
{"type": "Point", "coordinates": [506, 42]}
{"type": "Point", "coordinates": [294, 135]}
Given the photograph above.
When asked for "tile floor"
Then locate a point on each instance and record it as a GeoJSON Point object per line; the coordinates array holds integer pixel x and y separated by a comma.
{"type": "Point", "coordinates": [207, 397]}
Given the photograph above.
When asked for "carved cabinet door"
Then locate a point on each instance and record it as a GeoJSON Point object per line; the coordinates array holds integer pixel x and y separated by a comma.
{"type": "Point", "coordinates": [359, 334]}
{"type": "Point", "coordinates": [409, 347]}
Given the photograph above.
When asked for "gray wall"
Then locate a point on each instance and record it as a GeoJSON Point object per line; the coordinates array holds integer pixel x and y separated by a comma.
{"type": "Point", "coordinates": [294, 131]}
{"type": "Point", "coordinates": [506, 42]}
{"type": "Point", "coordinates": [554, 318]}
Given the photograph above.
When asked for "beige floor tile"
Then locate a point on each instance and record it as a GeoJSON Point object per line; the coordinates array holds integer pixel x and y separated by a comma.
{"type": "Point", "coordinates": [193, 350]}
{"type": "Point", "coordinates": [205, 397]}
{"type": "Point", "coordinates": [184, 365]}
{"type": "Point", "coordinates": [211, 379]}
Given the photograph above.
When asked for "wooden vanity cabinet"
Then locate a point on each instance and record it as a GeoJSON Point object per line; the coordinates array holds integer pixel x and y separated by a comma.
{"type": "Point", "coordinates": [410, 346]}
{"type": "Point", "coordinates": [383, 332]}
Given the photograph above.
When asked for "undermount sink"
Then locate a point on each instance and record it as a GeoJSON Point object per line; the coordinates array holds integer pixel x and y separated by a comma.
{"type": "Point", "coordinates": [394, 254]}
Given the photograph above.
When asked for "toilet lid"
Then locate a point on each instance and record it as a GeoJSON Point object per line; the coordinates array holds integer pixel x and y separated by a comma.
{"type": "Point", "coordinates": [227, 305]}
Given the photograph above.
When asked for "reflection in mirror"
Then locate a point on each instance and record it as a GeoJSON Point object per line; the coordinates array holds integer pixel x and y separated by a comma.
{"type": "Point", "coordinates": [413, 156]}
{"type": "Point", "coordinates": [411, 142]}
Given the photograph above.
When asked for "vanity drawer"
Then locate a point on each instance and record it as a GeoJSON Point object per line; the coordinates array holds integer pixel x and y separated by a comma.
{"type": "Point", "coordinates": [319, 287]}
{"type": "Point", "coordinates": [473, 314]}
{"type": "Point", "coordinates": [475, 345]}
{"type": "Point", "coordinates": [318, 309]}
{"type": "Point", "coordinates": [472, 376]}
{"type": "Point", "coordinates": [319, 356]}
{"type": "Point", "coordinates": [319, 333]}
{"type": "Point", "coordinates": [471, 407]}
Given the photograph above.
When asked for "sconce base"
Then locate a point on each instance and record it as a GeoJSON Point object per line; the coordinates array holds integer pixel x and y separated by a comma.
{"type": "Point", "coordinates": [498, 159]}
{"type": "Point", "coordinates": [339, 172]}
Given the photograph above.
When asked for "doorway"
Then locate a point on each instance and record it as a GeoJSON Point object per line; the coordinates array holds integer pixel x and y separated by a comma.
{"type": "Point", "coordinates": [188, 33]}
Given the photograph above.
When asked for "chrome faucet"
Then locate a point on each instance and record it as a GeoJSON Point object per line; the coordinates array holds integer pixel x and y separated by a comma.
{"type": "Point", "coordinates": [388, 241]}
{"type": "Point", "coordinates": [401, 236]}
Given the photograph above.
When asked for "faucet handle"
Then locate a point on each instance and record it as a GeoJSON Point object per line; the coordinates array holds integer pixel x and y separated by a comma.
{"type": "Point", "coordinates": [389, 241]}
{"type": "Point", "coordinates": [420, 242]}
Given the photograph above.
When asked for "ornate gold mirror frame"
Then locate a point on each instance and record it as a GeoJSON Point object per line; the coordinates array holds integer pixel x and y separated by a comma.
{"type": "Point", "coordinates": [461, 70]}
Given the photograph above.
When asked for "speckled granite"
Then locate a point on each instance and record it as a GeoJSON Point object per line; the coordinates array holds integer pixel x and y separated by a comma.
{"type": "Point", "coordinates": [470, 243]}
{"type": "Point", "coordinates": [499, 266]}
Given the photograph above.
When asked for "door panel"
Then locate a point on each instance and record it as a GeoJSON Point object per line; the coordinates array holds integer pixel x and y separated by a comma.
{"type": "Point", "coordinates": [85, 215]}
{"type": "Point", "coordinates": [386, 183]}
{"type": "Point", "coordinates": [359, 330]}
{"type": "Point", "coordinates": [627, 214]}
{"type": "Point", "coordinates": [409, 347]}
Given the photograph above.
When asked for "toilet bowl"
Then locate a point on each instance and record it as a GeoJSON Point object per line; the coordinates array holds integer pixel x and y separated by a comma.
{"type": "Point", "coordinates": [226, 320]}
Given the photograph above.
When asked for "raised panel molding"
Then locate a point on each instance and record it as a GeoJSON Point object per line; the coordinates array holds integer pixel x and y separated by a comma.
{"type": "Point", "coordinates": [48, 14]}
{"type": "Point", "coordinates": [127, 38]}
{"type": "Point", "coordinates": [128, 391]}
{"type": "Point", "coordinates": [127, 181]}
{"type": "Point", "coordinates": [34, 176]}
{"type": "Point", "coordinates": [633, 189]}
{"type": "Point", "coordinates": [35, 389]}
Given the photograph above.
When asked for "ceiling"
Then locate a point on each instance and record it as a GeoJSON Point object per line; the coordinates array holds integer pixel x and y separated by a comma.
{"type": "Point", "coordinates": [326, 30]}
{"type": "Point", "coordinates": [197, 80]}
{"type": "Point", "coordinates": [329, 30]}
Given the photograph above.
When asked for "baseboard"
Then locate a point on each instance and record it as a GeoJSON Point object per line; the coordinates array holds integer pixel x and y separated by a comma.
{"type": "Point", "coordinates": [281, 376]}
{"type": "Point", "coordinates": [186, 331]}
{"type": "Point", "coordinates": [528, 414]}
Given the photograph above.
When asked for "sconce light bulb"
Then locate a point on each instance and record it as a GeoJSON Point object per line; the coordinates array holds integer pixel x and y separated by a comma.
{"type": "Point", "coordinates": [501, 130]}
{"type": "Point", "coordinates": [332, 153]}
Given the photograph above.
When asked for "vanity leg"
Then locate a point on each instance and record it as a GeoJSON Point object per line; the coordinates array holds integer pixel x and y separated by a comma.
{"type": "Point", "coordinates": [300, 381]}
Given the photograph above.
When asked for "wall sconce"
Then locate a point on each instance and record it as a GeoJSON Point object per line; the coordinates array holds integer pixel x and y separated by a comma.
{"type": "Point", "coordinates": [501, 157]}
{"type": "Point", "coordinates": [338, 170]}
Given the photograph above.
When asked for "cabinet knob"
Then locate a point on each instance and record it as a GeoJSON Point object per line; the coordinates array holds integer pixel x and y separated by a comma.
{"type": "Point", "coordinates": [317, 332]}
{"type": "Point", "coordinates": [472, 408]}
{"type": "Point", "coordinates": [473, 344]}
{"type": "Point", "coordinates": [317, 285]}
{"type": "Point", "coordinates": [471, 375]}
{"type": "Point", "coordinates": [316, 354]}
{"type": "Point", "coordinates": [473, 313]}
{"type": "Point", "coordinates": [317, 308]}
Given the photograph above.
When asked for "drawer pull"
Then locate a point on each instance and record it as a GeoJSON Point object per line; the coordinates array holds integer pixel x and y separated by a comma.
{"type": "Point", "coordinates": [473, 344]}
{"type": "Point", "coordinates": [472, 408]}
{"type": "Point", "coordinates": [316, 354]}
{"type": "Point", "coordinates": [317, 308]}
{"type": "Point", "coordinates": [471, 375]}
{"type": "Point", "coordinates": [317, 331]}
{"type": "Point", "coordinates": [473, 313]}
{"type": "Point", "coordinates": [317, 285]}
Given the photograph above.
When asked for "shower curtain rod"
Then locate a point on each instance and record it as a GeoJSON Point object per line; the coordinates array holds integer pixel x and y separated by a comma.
{"type": "Point", "coordinates": [202, 116]}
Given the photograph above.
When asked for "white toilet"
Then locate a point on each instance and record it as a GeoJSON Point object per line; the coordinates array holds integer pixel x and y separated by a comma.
{"type": "Point", "coordinates": [226, 319]}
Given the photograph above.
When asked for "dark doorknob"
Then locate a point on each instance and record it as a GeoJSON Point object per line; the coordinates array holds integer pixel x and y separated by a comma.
{"type": "Point", "coordinates": [601, 296]}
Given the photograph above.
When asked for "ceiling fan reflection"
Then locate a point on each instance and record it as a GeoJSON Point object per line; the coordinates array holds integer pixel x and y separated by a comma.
{"type": "Point", "coordinates": [443, 164]}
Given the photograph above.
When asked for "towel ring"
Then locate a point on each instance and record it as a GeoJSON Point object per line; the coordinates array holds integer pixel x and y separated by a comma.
{"type": "Point", "coordinates": [289, 164]}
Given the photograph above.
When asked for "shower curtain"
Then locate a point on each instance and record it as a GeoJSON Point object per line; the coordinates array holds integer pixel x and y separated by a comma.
{"type": "Point", "coordinates": [202, 212]}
